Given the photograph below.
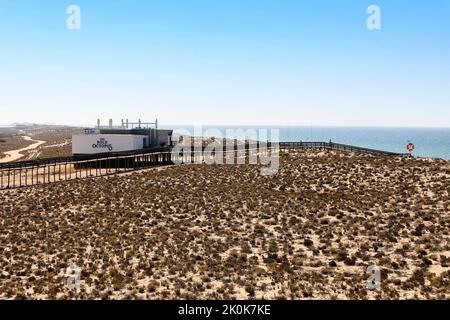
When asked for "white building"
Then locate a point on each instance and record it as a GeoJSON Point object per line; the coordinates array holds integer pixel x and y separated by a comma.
{"type": "Point", "coordinates": [103, 143]}
{"type": "Point", "coordinates": [127, 137]}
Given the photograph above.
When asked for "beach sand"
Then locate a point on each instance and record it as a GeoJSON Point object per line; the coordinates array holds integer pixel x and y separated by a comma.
{"type": "Point", "coordinates": [226, 232]}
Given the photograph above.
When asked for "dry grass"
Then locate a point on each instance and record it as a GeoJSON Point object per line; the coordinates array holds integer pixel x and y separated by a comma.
{"type": "Point", "coordinates": [56, 151]}
{"type": "Point", "coordinates": [58, 141]}
{"type": "Point", "coordinates": [12, 141]}
{"type": "Point", "coordinates": [53, 134]}
{"type": "Point", "coordinates": [218, 232]}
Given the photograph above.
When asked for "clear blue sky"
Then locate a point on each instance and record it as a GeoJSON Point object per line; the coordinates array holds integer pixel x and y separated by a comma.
{"type": "Point", "coordinates": [280, 62]}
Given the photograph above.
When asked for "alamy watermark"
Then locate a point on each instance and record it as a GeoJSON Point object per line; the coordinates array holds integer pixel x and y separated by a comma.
{"type": "Point", "coordinates": [73, 277]}
{"type": "Point", "coordinates": [374, 280]}
{"type": "Point", "coordinates": [374, 20]}
{"type": "Point", "coordinates": [235, 146]}
{"type": "Point", "coordinates": [73, 22]}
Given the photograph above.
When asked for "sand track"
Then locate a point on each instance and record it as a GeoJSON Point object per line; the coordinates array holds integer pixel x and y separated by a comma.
{"type": "Point", "coordinates": [15, 155]}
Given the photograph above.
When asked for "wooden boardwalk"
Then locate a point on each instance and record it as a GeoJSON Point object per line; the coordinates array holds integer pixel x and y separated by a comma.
{"type": "Point", "coordinates": [38, 172]}
{"type": "Point", "coordinates": [335, 146]}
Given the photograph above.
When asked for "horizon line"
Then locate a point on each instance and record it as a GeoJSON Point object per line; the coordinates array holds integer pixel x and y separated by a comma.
{"type": "Point", "coordinates": [243, 125]}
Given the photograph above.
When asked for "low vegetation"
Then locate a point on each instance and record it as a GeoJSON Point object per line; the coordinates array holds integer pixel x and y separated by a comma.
{"type": "Point", "coordinates": [226, 232]}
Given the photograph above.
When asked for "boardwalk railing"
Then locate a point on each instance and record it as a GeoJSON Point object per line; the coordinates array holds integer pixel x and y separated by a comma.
{"type": "Point", "coordinates": [36, 172]}
{"type": "Point", "coordinates": [335, 146]}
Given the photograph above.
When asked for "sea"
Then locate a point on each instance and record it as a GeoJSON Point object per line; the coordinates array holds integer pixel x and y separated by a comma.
{"type": "Point", "coordinates": [428, 142]}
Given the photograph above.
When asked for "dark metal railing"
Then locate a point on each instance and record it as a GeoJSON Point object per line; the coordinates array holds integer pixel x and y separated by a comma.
{"type": "Point", "coordinates": [35, 172]}
{"type": "Point", "coordinates": [335, 146]}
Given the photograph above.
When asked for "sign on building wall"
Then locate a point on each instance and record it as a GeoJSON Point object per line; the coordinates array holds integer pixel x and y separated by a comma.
{"type": "Point", "coordinates": [102, 143]}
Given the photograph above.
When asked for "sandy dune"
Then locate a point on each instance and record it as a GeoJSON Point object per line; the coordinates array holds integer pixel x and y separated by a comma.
{"type": "Point", "coordinates": [226, 231]}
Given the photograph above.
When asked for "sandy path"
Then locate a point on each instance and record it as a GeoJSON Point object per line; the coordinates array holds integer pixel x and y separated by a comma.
{"type": "Point", "coordinates": [14, 155]}
{"type": "Point", "coordinates": [37, 152]}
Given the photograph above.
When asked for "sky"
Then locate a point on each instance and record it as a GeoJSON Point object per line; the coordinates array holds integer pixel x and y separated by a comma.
{"type": "Point", "coordinates": [226, 62]}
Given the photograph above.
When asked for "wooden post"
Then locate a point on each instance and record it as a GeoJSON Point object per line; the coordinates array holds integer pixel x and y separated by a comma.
{"type": "Point", "coordinates": [192, 150]}
{"type": "Point", "coordinates": [182, 156]}
{"type": "Point", "coordinates": [224, 150]}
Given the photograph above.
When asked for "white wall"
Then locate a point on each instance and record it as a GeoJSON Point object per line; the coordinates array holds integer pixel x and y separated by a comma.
{"type": "Point", "coordinates": [101, 143]}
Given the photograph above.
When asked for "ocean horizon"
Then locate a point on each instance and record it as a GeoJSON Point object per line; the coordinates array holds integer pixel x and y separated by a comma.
{"type": "Point", "coordinates": [428, 142]}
